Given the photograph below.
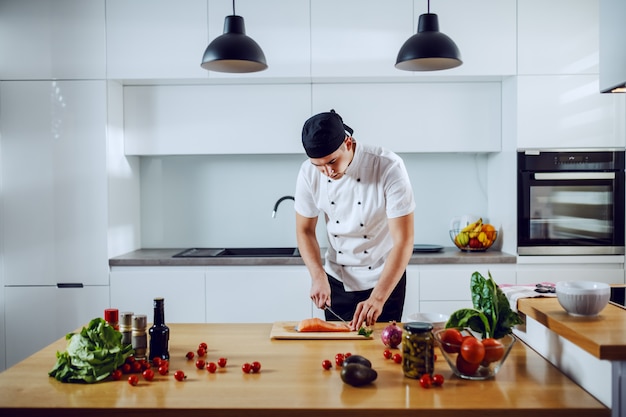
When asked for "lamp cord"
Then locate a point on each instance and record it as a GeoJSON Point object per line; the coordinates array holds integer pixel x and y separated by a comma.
{"type": "Point", "coordinates": [427, 6]}
{"type": "Point", "coordinates": [234, 7]}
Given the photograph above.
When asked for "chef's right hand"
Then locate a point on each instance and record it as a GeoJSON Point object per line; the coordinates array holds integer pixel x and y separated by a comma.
{"type": "Point", "coordinates": [320, 293]}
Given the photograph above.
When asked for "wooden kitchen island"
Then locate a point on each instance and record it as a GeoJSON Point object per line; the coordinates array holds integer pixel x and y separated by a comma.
{"type": "Point", "coordinates": [292, 382]}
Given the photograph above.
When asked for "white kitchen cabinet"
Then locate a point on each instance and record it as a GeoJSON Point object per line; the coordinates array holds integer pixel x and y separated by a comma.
{"type": "Point", "coordinates": [418, 117]}
{"type": "Point", "coordinates": [412, 296]}
{"type": "Point", "coordinates": [558, 37]}
{"type": "Point", "coordinates": [257, 294]}
{"type": "Point", "coordinates": [215, 119]}
{"type": "Point", "coordinates": [61, 39]}
{"type": "Point", "coordinates": [183, 288]}
{"type": "Point", "coordinates": [54, 173]}
{"type": "Point", "coordinates": [446, 288]}
{"type": "Point", "coordinates": [282, 30]}
{"type": "Point", "coordinates": [156, 39]}
{"type": "Point", "coordinates": [362, 38]}
{"type": "Point", "coordinates": [566, 111]}
{"type": "Point", "coordinates": [534, 269]}
{"type": "Point", "coordinates": [37, 316]}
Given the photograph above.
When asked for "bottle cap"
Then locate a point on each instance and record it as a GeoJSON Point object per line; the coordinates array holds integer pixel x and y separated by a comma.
{"type": "Point", "coordinates": [418, 327]}
{"type": "Point", "coordinates": [126, 318]}
{"type": "Point", "coordinates": [111, 315]}
{"type": "Point", "coordinates": [140, 321]}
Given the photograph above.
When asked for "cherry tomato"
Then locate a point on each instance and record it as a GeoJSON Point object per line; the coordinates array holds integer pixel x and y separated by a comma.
{"type": "Point", "coordinates": [387, 354]}
{"type": "Point", "coordinates": [145, 365]}
{"type": "Point", "coordinates": [200, 364]}
{"type": "Point", "coordinates": [221, 362]}
{"type": "Point", "coordinates": [148, 374]}
{"type": "Point", "coordinates": [451, 340]}
{"type": "Point", "coordinates": [211, 367]}
{"type": "Point", "coordinates": [256, 367]}
{"type": "Point", "coordinates": [133, 380]}
{"type": "Point", "coordinates": [163, 370]}
{"type": "Point", "coordinates": [179, 375]}
{"type": "Point", "coordinates": [339, 358]}
{"type": "Point", "coordinates": [203, 346]}
{"type": "Point", "coordinates": [426, 381]}
{"type": "Point", "coordinates": [347, 354]}
{"type": "Point", "coordinates": [126, 368]}
{"type": "Point", "coordinates": [397, 358]}
{"type": "Point", "coordinates": [129, 360]}
{"type": "Point", "coordinates": [472, 350]}
{"type": "Point", "coordinates": [201, 351]}
{"type": "Point", "coordinates": [465, 367]}
{"type": "Point", "coordinates": [116, 375]}
{"type": "Point", "coordinates": [438, 380]}
{"type": "Point", "coordinates": [136, 367]}
{"type": "Point", "coordinates": [190, 355]}
{"type": "Point", "coordinates": [494, 350]}
{"type": "Point", "coordinates": [246, 368]}
{"type": "Point", "coordinates": [326, 364]}
{"type": "Point", "coordinates": [156, 361]}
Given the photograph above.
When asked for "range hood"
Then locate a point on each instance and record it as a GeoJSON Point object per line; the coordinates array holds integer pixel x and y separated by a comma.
{"type": "Point", "coordinates": [613, 46]}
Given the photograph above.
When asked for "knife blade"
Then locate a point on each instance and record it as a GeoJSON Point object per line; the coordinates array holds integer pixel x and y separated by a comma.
{"type": "Point", "coordinates": [330, 310]}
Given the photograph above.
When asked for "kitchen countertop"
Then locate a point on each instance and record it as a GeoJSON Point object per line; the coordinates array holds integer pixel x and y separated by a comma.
{"type": "Point", "coordinates": [602, 335]}
{"type": "Point", "coordinates": [163, 257]}
{"type": "Point", "coordinates": [292, 382]}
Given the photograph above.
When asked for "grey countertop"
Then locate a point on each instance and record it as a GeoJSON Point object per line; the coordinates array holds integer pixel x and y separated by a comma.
{"type": "Point", "coordinates": [163, 257]}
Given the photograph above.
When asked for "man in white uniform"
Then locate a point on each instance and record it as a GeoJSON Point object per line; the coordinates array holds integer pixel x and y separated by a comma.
{"type": "Point", "coordinates": [367, 199]}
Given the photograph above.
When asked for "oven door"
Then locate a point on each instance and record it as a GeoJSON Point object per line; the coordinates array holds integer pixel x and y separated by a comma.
{"type": "Point", "coordinates": [570, 213]}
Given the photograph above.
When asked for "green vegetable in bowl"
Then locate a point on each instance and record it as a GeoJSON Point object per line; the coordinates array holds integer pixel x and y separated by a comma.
{"type": "Point", "coordinates": [492, 315]}
{"type": "Point", "coordinates": [91, 355]}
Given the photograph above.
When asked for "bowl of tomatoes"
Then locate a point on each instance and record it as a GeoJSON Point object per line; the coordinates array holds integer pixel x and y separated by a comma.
{"type": "Point", "coordinates": [470, 356]}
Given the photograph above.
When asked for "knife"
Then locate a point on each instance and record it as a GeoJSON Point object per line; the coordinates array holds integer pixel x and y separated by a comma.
{"type": "Point", "coordinates": [336, 315]}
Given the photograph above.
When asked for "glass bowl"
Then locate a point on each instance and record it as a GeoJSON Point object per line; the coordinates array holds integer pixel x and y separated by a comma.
{"type": "Point", "coordinates": [495, 355]}
{"type": "Point", "coordinates": [478, 241]}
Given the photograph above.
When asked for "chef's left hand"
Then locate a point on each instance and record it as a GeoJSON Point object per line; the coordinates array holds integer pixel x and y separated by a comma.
{"type": "Point", "coordinates": [366, 312]}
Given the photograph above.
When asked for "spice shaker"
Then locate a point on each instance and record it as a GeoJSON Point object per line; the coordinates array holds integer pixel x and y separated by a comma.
{"type": "Point", "coordinates": [139, 337]}
{"type": "Point", "coordinates": [111, 316]}
{"type": "Point", "coordinates": [126, 327]}
{"type": "Point", "coordinates": [418, 357]}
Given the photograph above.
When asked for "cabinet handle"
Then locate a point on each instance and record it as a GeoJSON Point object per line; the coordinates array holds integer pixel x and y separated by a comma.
{"type": "Point", "coordinates": [69, 285]}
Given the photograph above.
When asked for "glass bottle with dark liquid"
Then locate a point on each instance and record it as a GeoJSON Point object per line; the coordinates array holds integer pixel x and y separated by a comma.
{"type": "Point", "coordinates": [159, 333]}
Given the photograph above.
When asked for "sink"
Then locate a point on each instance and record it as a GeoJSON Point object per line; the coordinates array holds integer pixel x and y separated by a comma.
{"type": "Point", "coordinates": [238, 252]}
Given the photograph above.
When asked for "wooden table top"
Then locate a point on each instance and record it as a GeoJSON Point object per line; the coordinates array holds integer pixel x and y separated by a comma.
{"type": "Point", "coordinates": [292, 382]}
{"type": "Point", "coordinates": [602, 336]}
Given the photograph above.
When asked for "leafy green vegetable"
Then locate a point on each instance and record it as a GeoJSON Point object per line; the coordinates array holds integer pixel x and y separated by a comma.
{"type": "Point", "coordinates": [91, 355]}
{"type": "Point", "coordinates": [492, 315]}
{"type": "Point", "coordinates": [365, 331]}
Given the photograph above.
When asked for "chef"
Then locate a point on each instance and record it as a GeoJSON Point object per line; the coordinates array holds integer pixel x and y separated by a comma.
{"type": "Point", "coordinates": [367, 200]}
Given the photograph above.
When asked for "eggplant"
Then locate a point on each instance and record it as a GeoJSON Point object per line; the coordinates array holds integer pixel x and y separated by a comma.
{"type": "Point", "coordinates": [357, 359]}
{"type": "Point", "coordinates": [357, 374]}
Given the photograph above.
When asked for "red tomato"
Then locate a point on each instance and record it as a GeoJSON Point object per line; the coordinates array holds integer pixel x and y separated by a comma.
{"type": "Point", "coordinates": [126, 368]}
{"type": "Point", "coordinates": [246, 368]}
{"type": "Point", "coordinates": [136, 367]}
{"type": "Point", "coordinates": [203, 346]}
{"type": "Point", "coordinates": [190, 355]}
{"type": "Point", "coordinates": [438, 380]}
{"type": "Point", "coordinates": [156, 361]}
{"type": "Point", "coordinates": [473, 350]}
{"type": "Point", "coordinates": [339, 358]}
{"type": "Point", "coordinates": [465, 367]}
{"type": "Point", "coordinates": [179, 375]}
{"type": "Point", "coordinates": [116, 375]}
{"type": "Point", "coordinates": [326, 364]}
{"type": "Point", "coordinates": [494, 350]}
{"type": "Point", "coordinates": [133, 380]}
{"type": "Point", "coordinates": [256, 367]}
{"type": "Point", "coordinates": [200, 364]}
{"type": "Point", "coordinates": [221, 362]}
{"type": "Point", "coordinates": [426, 381]}
{"type": "Point", "coordinates": [387, 354]}
{"type": "Point", "coordinates": [211, 367]}
{"type": "Point", "coordinates": [201, 351]}
{"type": "Point", "coordinates": [148, 374]}
{"type": "Point", "coordinates": [163, 370]}
{"type": "Point", "coordinates": [397, 358]}
{"type": "Point", "coordinates": [451, 340]}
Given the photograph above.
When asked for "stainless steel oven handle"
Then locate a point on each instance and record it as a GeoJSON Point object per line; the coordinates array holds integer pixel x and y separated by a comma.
{"type": "Point", "coordinates": [575, 175]}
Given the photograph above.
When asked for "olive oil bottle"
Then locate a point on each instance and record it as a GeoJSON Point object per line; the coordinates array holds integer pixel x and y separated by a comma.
{"type": "Point", "coordinates": [159, 332]}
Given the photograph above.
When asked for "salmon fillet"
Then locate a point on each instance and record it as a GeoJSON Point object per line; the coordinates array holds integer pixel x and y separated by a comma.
{"type": "Point", "coordinates": [318, 325]}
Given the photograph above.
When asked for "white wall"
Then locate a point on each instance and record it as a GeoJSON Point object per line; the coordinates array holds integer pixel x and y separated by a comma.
{"type": "Point", "coordinates": [227, 200]}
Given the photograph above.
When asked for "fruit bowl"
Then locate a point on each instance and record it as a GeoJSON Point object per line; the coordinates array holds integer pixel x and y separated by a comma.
{"type": "Point", "coordinates": [495, 353]}
{"type": "Point", "coordinates": [474, 241]}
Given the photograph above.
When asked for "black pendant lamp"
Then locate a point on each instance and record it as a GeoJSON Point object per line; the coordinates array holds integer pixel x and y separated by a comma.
{"type": "Point", "coordinates": [428, 49]}
{"type": "Point", "coordinates": [234, 51]}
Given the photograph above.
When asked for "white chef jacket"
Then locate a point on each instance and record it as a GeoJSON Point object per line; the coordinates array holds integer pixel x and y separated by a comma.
{"type": "Point", "coordinates": [374, 188]}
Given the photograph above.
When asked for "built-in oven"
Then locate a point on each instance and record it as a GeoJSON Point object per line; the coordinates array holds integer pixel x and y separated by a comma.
{"type": "Point", "coordinates": [570, 202]}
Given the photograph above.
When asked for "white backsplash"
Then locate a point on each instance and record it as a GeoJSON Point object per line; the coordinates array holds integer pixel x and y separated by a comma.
{"type": "Point", "coordinates": [227, 200]}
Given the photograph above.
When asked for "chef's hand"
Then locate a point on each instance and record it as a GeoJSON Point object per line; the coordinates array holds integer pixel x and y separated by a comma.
{"type": "Point", "coordinates": [366, 312]}
{"type": "Point", "coordinates": [320, 293]}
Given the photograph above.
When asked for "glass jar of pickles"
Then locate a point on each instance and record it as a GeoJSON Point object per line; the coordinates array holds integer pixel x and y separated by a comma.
{"type": "Point", "coordinates": [418, 357]}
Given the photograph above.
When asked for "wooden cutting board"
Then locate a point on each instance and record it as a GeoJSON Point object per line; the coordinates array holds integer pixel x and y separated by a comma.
{"type": "Point", "coordinates": [287, 330]}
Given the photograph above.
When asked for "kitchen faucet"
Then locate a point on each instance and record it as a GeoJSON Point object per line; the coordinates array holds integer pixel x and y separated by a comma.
{"type": "Point", "coordinates": [280, 200]}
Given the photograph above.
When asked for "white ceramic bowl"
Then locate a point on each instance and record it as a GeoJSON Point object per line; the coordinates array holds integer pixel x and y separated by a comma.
{"type": "Point", "coordinates": [583, 298]}
{"type": "Point", "coordinates": [438, 320]}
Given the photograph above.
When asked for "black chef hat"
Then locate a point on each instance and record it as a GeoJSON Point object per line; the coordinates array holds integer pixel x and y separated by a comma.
{"type": "Point", "coordinates": [323, 134]}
